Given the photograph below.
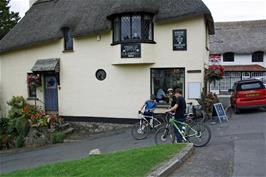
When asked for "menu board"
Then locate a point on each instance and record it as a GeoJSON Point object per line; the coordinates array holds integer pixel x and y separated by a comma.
{"type": "Point", "coordinates": [180, 39]}
{"type": "Point", "coordinates": [220, 112]}
{"type": "Point", "coordinates": [130, 50]}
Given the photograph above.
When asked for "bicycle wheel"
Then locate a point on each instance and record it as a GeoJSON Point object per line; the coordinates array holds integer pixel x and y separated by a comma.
{"type": "Point", "coordinates": [164, 135]}
{"type": "Point", "coordinates": [140, 130]}
{"type": "Point", "coordinates": [199, 134]}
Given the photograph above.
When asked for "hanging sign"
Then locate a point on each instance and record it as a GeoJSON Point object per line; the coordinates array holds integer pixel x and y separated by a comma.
{"type": "Point", "coordinates": [180, 39]}
{"type": "Point", "coordinates": [130, 50]}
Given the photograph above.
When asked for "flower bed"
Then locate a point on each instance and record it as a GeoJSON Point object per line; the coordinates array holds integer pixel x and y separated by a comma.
{"type": "Point", "coordinates": [26, 125]}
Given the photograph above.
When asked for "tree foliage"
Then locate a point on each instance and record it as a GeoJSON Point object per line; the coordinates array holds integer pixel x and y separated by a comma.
{"type": "Point", "coordinates": [8, 19]}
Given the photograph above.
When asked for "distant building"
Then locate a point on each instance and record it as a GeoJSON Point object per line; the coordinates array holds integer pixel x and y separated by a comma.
{"type": "Point", "coordinates": [102, 59]}
{"type": "Point", "coordinates": [240, 47]}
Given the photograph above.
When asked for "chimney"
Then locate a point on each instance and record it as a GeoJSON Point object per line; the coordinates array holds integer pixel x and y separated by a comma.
{"type": "Point", "coordinates": [32, 2]}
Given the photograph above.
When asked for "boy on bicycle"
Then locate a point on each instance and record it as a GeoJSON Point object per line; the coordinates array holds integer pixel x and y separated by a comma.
{"type": "Point", "coordinates": [149, 107]}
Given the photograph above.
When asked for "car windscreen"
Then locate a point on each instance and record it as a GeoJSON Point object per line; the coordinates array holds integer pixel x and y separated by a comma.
{"type": "Point", "coordinates": [250, 86]}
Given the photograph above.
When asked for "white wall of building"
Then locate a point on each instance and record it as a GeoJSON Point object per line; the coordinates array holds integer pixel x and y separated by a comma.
{"type": "Point", "coordinates": [127, 85]}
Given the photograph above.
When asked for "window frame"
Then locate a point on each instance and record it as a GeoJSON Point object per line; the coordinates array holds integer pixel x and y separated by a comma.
{"type": "Point", "coordinates": [229, 53]}
{"type": "Point", "coordinates": [184, 84]}
{"type": "Point", "coordinates": [66, 32]}
{"type": "Point", "coordinates": [120, 41]}
{"type": "Point", "coordinates": [255, 56]}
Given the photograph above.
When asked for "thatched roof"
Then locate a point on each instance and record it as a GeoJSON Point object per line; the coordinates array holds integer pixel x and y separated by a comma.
{"type": "Point", "coordinates": [45, 19]}
{"type": "Point", "coordinates": [239, 37]}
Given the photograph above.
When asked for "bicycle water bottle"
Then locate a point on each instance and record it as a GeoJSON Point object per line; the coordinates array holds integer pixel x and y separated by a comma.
{"type": "Point", "coordinates": [183, 129]}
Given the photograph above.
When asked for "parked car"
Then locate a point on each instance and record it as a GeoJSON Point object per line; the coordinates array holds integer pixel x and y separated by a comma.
{"type": "Point", "coordinates": [248, 94]}
{"type": "Point", "coordinates": [262, 78]}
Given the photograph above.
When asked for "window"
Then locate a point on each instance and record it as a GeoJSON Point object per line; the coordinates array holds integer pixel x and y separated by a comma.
{"type": "Point", "coordinates": [68, 40]}
{"type": "Point", "coordinates": [133, 28]}
{"type": "Point", "coordinates": [228, 57]}
{"type": "Point", "coordinates": [32, 93]}
{"type": "Point", "coordinates": [257, 56]}
{"type": "Point", "coordinates": [164, 78]}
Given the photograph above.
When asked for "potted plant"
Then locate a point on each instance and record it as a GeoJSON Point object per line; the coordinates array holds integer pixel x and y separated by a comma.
{"type": "Point", "coordinates": [214, 73]}
{"type": "Point", "coordinates": [34, 80]}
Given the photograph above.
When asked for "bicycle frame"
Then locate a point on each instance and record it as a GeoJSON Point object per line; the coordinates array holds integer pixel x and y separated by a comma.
{"type": "Point", "coordinates": [174, 123]}
{"type": "Point", "coordinates": [142, 117]}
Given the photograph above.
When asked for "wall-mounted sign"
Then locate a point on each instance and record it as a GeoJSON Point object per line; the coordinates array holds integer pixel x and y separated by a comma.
{"type": "Point", "coordinates": [180, 39]}
{"type": "Point", "coordinates": [131, 50]}
{"type": "Point", "coordinates": [215, 57]}
{"type": "Point", "coordinates": [100, 74]}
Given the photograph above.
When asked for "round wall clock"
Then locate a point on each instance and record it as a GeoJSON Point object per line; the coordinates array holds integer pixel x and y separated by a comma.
{"type": "Point", "coordinates": [100, 74]}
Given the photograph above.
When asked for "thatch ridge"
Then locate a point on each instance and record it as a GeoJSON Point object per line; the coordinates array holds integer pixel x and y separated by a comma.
{"type": "Point", "coordinates": [241, 37]}
{"type": "Point", "coordinates": [46, 18]}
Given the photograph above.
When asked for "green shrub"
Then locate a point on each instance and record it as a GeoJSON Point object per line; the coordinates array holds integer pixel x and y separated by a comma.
{"type": "Point", "coordinates": [22, 126]}
{"type": "Point", "coordinates": [16, 103]}
{"type": "Point", "coordinates": [19, 142]}
{"type": "Point", "coordinates": [3, 125]}
{"type": "Point", "coordinates": [57, 137]}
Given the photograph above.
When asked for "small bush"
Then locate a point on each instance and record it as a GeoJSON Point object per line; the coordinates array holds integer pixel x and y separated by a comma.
{"type": "Point", "coordinates": [22, 126]}
{"type": "Point", "coordinates": [19, 142]}
{"type": "Point", "coordinates": [57, 137]}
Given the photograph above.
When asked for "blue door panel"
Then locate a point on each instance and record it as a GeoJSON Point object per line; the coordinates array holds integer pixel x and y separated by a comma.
{"type": "Point", "coordinates": [51, 94]}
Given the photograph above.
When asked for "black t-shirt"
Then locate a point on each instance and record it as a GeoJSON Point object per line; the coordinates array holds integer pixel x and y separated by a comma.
{"type": "Point", "coordinates": [181, 109]}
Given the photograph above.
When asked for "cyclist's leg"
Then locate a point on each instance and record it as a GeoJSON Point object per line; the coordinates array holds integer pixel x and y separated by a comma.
{"type": "Point", "coordinates": [177, 134]}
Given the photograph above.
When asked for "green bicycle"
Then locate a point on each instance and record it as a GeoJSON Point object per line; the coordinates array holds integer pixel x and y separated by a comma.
{"type": "Point", "coordinates": [196, 132]}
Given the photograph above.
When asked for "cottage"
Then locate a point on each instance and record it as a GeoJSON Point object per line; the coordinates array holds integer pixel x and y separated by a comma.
{"type": "Point", "coordinates": [240, 47]}
{"type": "Point", "coordinates": [96, 59]}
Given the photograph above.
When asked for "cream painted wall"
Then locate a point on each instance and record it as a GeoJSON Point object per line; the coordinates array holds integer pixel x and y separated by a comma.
{"type": "Point", "coordinates": [16, 65]}
{"type": "Point", "coordinates": [127, 85]}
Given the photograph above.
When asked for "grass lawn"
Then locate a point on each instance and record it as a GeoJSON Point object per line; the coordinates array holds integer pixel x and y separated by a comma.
{"type": "Point", "coordinates": [131, 163]}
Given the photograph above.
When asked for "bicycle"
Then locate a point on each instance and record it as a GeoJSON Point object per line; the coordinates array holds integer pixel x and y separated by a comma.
{"type": "Point", "coordinates": [197, 133]}
{"type": "Point", "coordinates": [195, 113]}
{"type": "Point", "coordinates": [141, 129]}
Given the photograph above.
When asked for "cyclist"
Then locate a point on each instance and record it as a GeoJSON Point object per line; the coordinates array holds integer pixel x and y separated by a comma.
{"type": "Point", "coordinates": [179, 107]}
{"type": "Point", "coordinates": [149, 107]}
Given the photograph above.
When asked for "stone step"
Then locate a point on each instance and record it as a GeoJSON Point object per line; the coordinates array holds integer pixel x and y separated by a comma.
{"type": "Point", "coordinates": [68, 131]}
{"type": "Point", "coordinates": [64, 126]}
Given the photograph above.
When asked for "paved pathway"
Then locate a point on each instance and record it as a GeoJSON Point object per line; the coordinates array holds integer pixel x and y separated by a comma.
{"type": "Point", "coordinates": [236, 149]}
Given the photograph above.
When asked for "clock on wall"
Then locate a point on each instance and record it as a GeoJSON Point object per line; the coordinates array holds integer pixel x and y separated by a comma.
{"type": "Point", "coordinates": [100, 74]}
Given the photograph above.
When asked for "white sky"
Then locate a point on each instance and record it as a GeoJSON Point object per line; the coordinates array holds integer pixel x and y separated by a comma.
{"type": "Point", "coordinates": [222, 10]}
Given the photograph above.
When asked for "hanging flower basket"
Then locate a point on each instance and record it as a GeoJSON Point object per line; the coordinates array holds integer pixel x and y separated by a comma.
{"type": "Point", "coordinates": [215, 73]}
{"type": "Point", "coordinates": [34, 80]}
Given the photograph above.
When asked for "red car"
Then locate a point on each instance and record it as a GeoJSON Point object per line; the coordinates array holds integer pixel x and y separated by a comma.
{"type": "Point", "coordinates": [248, 94]}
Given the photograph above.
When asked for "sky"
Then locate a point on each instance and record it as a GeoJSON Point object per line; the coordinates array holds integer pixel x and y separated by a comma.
{"type": "Point", "coordinates": [222, 10]}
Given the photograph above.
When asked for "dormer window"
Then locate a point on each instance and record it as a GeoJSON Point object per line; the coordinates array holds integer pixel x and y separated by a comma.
{"type": "Point", "coordinates": [228, 57]}
{"type": "Point", "coordinates": [133, 28]}
{"type": "Point", "coordinates": [257, 56]}
{"type": "Point", "coordinates": [68, 40]}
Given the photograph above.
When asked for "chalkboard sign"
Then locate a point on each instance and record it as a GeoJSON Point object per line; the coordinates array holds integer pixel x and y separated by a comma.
{"type": "Point", "coordinates": [131, 50]}
{"type": "Point", "coordinates": [180, 39]}
{"type": "Point", "coordinates": [219, 109]}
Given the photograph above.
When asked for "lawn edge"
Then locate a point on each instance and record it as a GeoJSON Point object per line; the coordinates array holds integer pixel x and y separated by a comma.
{"type": "Point", "coordinates": [171, 165]}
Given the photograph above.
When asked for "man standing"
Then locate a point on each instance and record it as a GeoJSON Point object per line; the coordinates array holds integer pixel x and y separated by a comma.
{"type": "Point", "coordinates": [179, 107]}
